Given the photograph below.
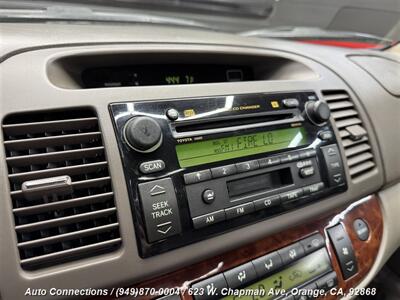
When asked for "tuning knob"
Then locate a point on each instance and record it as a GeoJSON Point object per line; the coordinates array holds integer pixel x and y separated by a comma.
{"type": "Point", "coordinates": [143, 134]}
{"type": "Point", "coordinates": [317, 112]}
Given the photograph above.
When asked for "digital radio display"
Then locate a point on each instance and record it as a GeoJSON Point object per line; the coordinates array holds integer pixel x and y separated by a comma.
{"type": "Point", "coordinates": [214, 150]}
{"type": "Point", "coordinates": [298, 273]}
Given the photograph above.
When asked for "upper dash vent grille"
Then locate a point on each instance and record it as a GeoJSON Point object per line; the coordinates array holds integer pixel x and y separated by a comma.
{"type": "Point", "coordinates": [354, 137]}
{"type": "Point", "coordinates": [59, 223]}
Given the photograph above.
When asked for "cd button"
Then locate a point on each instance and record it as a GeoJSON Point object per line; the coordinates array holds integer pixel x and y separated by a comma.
{"type": "Point", "coordinates": [198, 176]}
{"type": "Point", "coordinates": [223, 171]}
{"type": "Point", "coordinates": [240, 210]}
{"type": "Point", "coordinates": [247, 166]}
{"type": "Point", "coordinates": [267, 202]}
{"type": "Point", "coordinates": [209, 219]}
{"type": "Point", "coordinates": [269, 161]}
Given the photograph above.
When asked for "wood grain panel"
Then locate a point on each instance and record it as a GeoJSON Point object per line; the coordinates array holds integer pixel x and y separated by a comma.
{"type": "Point", "coordinates": [366, 251]}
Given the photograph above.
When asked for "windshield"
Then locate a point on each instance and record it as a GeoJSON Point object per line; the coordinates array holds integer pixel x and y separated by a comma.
{"type": "Point", "coordinates": [346, 23]}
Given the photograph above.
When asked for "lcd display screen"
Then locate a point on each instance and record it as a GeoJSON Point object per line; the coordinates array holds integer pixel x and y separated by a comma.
{"type": "Point", "coordinates": [300, 272]}
{"type": "Point", "coordinates": [214, 150]}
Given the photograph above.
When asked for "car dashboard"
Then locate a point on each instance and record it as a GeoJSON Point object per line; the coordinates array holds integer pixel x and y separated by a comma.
{"type": "Point", "coordinates": [180, 159]}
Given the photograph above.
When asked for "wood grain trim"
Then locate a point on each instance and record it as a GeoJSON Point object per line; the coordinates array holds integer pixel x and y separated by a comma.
{"type": "Point", "coordinates": [367, 209]}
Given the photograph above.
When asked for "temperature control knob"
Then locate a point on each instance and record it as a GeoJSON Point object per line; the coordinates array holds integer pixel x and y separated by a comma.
{"type": "Point", "coordinates": [143, 134]}
{"type": "Point", "coordinates": [317, 111]}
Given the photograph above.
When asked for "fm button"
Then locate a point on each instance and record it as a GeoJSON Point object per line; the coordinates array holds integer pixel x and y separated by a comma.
{"type": "Point", "coordinates": [160, 209]}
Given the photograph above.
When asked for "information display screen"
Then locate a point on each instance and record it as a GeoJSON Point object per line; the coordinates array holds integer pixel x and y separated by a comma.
{"type": "Point", "coordinates": [214, 150]}
{"type": "Point", "coordinates": [298, 273]}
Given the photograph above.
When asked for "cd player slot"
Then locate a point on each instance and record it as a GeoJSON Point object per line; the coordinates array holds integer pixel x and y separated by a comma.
{"type": "Point", "coordinates": [225, 122]}
{"type": "Point", "coordinates": [260, 182]}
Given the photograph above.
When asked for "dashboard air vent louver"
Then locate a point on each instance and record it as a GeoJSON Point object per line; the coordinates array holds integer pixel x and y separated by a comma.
{"type": "Point", "coordinates": [62, 199]}
{"type": "Point", "coordinates": [354, 137]}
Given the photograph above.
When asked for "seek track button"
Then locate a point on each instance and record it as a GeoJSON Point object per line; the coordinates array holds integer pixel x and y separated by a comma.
{"type": "Point", "coordinates": [160, 209]}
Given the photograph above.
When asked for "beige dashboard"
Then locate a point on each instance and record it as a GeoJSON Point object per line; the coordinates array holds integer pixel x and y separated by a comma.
{"type": "Point", "coordinates": [38, 67]}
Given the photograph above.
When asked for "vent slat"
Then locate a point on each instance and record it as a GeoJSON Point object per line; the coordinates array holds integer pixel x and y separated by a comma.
{"type": "Point", "coordinates": [70, 170]}
{"type": "Point", "coordinates": [76, 202]}
{"type": "Point", "coordinates": [49, 126]}
{"type": "Point", "coordinates": [65, 220]}
{"type": "Point", "coordinates": [356, 149]}
{"type": "Point", "coordinates": [345, 113]}
{"type": "Point", "coordinates": [84, 184]}
{"type": "Point", "coordinates": [51, 141]}
{"type": "Point", "coordinates": [340, 105]}
{"type": "Point", "coordinates": [44, 158]}
{"type": "Point", "coordinates": [38, 260]}
{"type": "Point", "coordinates": [347, 122]}
{"type": "Point", "coordinates": [349, 142]}
{"type": "Point", "coordinates": [78, 217]}
{"type": "Point", "coordinates": [361, 168]}
{"type": "Point", "coordinates": [335, 96]}
{"type": "Point", "coordinates": [68, 236]}
{"type": "Point", "coordinates": [360, 159]}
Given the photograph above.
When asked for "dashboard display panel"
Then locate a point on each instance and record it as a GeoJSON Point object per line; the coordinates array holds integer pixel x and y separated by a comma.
{"type": "Point", "coordinates": [164, 74]}
{"type": "Point", "coordinates": [300, 272]}
{"type": "Point", "coordinates": [214, 150]}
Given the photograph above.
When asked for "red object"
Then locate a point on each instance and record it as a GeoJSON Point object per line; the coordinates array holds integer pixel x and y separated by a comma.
{"type": "Point", "coordinates": [344, 44]}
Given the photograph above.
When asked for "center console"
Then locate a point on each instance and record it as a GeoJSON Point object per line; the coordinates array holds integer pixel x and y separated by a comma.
{"type": "Point", "coordinates": [197, 167]}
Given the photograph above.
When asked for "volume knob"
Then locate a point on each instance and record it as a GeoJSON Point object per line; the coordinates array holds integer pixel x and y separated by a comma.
{"type": "Point", "coordinates": [143, 134]}
{"type": "Point", "coordinates": [317, 112]}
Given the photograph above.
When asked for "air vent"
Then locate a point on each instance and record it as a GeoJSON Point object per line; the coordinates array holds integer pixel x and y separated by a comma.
{"type": "Point", "coordinates": [62, 199]}
{"type": "Point", "coordinates": [360, 159]}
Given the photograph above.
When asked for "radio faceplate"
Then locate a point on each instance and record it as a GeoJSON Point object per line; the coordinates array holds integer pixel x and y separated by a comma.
{"type": "Point", "coordinates": [198, 167]}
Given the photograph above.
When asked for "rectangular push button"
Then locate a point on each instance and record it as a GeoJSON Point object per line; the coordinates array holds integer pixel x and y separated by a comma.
{"type": "Point", "coordinates": [344, 250]}
{"type": "Point", "coordinates": [160, 209]}
{"type": "Point", "coordinates": [334, 164]}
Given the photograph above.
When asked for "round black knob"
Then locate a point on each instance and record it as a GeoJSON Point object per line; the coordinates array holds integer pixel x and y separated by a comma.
{"type": "Point", "coordinates": [143, 134]}
{"type": "Point", "coordinates": [317, 111]}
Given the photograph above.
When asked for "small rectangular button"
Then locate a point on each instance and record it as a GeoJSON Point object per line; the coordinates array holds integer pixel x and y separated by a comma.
{"type": "Point", "coordinates": [325, 135]}
{"type": "Point", "coordinates": [267, 202]}
{"type": "Point", "coordinates": [334, 164]}
{"type": "Point", "coordinates": [327, 282]}
{"type": "Point", "coordinates": [240, 276]}
{"type": "Point", "coordinates": [247, 166]}
{"type": "Point", "coordinates": [344, 250]}
{"type": "Point", "coordinates": [153, 166]}
{"type": "Point", "coordinates": [285, 158]}
{"type": "Point", "coordinates": [313, 243]}
{"type": "Point", "coordinates": [198, 176]}
{"type": "Point", "coordinates": [290, 102]}
{"type": "Point", "coordinates": [239, 210]}
{"type": "Point", "coordinates": [209, 219]}
{"type": "Point", "coordinates": [206, 286]}
{"type": "Point", "coordinates": [223, 171]}
{"type": "Point", "coordinates": [269, 161]}
{"type": "Point", "coordinates": [308, 153]}
{"type": "Point", "coordinates": [160, 209]}
{"type": "Point", "coordinates": [291, 195]}
{"type": "Point", "coordinates": [307, 172]}
{"type": "Point", "coordinates": [291, 253]}
{"type": "Point", "coordinates": [313, 188]}
{"type": "Point", "coordinates": [267, 264]}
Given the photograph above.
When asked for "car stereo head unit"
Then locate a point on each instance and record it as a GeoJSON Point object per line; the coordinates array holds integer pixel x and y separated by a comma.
{"type": "Point", "coordinates": [197, 167]}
